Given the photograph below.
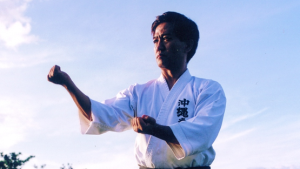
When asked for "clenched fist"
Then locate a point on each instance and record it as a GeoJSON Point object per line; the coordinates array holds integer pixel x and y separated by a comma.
{"type": "Point", "coordinates": [57, 76]}
{"type": "Point", "coordinates": [144, 124]}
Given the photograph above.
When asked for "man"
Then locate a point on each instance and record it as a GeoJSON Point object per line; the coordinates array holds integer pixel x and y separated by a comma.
{"type": "Point", "coordinates": [177, 116]}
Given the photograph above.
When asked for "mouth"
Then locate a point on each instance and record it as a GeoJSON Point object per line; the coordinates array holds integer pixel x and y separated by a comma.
{"type": "Point", "coordinates": [159, 56]}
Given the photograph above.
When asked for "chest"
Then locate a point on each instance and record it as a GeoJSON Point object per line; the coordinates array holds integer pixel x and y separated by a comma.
{"type": "Point", "coordinates": [170, 108]}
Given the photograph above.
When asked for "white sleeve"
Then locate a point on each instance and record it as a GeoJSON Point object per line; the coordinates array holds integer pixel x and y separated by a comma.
{"type": "Point", "coordinates": [198, 133]}
{"type": "Point", "coordinates": [111, 115]}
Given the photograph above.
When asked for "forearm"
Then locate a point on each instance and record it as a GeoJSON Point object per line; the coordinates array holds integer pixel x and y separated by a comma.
{"type": "Point", "coordinates": [148, 125]}
{"type": "Point", "coordinates": [59, 77]}
{"type": "Point", "coordinates": [164, 133]}
{"type": "Point", "coordinates": [81, 100]}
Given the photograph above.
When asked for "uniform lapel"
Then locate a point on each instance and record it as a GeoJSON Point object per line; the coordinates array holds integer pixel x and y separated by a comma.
{"type": "Point", "coordinates": [170, 100]}
{"type": "Point", "coordinates": [170, 97]}
{"type": "Point", "coordinates": [163, 87]}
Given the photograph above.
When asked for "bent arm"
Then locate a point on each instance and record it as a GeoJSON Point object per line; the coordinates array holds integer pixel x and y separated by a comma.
{"type": "Point", "coordinates": [196, 134]}
{"type": "Point", "coordinates": [82, 101]}
{"type": "Point", "coordinates": [148, 125]}
{"type": "Point", "coordinates": [165, 133]}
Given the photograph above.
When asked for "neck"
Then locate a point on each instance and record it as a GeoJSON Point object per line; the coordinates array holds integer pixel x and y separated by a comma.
{"type": "Point", "coordinates": [172, 76]}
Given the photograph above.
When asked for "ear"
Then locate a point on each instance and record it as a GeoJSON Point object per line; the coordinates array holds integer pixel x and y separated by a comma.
{"type": "Point", "coordinates": [189, 46]}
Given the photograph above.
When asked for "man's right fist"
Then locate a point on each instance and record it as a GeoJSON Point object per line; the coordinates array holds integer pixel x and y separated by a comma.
{"type": "Point", "coordinates": [57, 76]}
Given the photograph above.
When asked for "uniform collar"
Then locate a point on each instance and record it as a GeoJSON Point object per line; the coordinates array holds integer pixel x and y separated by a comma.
{"type": "Point", "coordinates": [185, 76]}
{"type": "Point", "coordinates": [183, 79]}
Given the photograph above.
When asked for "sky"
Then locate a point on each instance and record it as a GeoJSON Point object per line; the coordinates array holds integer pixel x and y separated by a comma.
{"type": "Point", "coordinates": [250, 47]}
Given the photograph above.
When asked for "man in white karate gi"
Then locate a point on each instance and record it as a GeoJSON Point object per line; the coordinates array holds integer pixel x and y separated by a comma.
{"type": "Point", "coordinates": [177, 116]}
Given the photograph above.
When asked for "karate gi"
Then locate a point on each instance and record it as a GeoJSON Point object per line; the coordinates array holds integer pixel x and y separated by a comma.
{"type": "Point", "coordinates": [193, 109]}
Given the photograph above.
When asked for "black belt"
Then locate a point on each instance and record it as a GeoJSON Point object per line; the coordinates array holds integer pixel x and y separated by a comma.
{"type": "Point", "coordinates": [200, 167]}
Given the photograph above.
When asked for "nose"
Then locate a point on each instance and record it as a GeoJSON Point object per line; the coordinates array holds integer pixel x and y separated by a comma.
{"type": "Point", "coordinates": [160, 45]}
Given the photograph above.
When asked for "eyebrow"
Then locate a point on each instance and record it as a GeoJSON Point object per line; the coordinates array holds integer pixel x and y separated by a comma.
{"type": "Point", "coordinates": [162, 35]}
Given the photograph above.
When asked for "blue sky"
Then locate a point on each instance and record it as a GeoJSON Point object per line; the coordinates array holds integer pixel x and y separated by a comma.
{"type": "Point", "coordinates": [251, 47]}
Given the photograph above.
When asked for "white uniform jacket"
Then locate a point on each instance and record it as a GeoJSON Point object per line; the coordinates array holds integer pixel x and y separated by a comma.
{"type": "Point", "coordinates": [193, 108]}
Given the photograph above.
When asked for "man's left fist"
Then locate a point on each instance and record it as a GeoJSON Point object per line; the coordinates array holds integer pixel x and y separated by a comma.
{"type": "Point", "coordinates": [143, 124]}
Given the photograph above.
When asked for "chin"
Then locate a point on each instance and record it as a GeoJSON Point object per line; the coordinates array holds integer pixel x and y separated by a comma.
{"type": "Point", "coordinates": [161, 64]}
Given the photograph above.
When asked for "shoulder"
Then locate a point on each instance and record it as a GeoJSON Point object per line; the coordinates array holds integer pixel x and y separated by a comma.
{"type": "Point", "coordinates": [206, 87]}
{"type": "Point", "coordinates": [201, 83]}
{"type": "Point", "coordinates": [137, 87]}
{"type": "Point", "coordinates": [208, 90]}
{"type": "Point", "coordinates": [142, 86]}
{"type": "Point", "coordinates": [133, 91]}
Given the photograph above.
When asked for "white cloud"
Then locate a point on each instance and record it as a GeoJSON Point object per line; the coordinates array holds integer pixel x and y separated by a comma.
{"type": "Point", "coordinates": [16, 116]}
{"type": "Point", "coordinates": [241, 118]}
{"type": "Point", "coordinates": [125, 159]}
{"type": "Point", "coordinates": [231, 137]}
{"type": "Point", "coordinates": [14, 26]}
{"type": "Point", "coordinates": [16, 59]}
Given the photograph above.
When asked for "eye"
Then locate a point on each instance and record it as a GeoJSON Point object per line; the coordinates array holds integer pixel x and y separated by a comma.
{"type": "Point", "coordinates": [155, 40]}
{"type": "Point", "coordinates": [167, 38]}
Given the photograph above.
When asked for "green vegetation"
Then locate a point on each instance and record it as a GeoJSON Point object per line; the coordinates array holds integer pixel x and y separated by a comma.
{"type": "Point", "coordinates": [12, 161]}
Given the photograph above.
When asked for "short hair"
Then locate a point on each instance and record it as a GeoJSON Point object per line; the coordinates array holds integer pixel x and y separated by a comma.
{"type": "Point", "coordinates": [184, 28]}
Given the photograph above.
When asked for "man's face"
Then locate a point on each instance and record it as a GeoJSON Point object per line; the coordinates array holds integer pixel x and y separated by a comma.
{"type": "Point", "coordinates": [170, 52]}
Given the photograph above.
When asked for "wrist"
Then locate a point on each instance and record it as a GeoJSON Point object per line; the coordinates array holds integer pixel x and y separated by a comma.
{"type": "Point", "coordinates": [154, 129]}
{"type": "Point", "coordinates": [68, 84]}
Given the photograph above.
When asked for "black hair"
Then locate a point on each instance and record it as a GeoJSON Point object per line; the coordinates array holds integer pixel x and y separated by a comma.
{"type": "Point", "coordinates": [184, 28]}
